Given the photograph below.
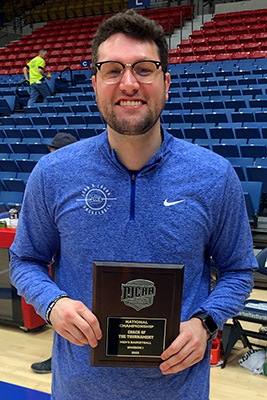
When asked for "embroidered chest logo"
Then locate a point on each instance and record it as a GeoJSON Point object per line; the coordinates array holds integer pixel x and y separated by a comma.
{"type": "Point", "coordinates": [138, 293]}
{"type": "Point", "coordinates": [97, 199]}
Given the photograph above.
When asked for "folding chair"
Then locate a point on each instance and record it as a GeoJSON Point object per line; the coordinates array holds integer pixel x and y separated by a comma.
{"type": "Point", "coordinates": [254, 311]}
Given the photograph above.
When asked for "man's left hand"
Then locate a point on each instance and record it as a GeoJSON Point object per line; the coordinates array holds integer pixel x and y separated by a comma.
{"type": "Point", "coordinates": [187, 349]}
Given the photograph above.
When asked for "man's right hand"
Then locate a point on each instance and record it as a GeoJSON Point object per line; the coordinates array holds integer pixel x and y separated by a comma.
{"type": "Point", "coordinates": [75, 322]}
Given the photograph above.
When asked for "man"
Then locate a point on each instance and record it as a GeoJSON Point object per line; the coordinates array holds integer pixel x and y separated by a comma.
{"type": "Point", "coordinates": [133, 193]}
{"type": "Point", "coordinates": [38, 86]}
{"type": "Point", "coordinates": [61, 139]}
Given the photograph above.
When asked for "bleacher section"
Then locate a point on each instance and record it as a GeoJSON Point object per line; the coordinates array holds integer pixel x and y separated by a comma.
{"type": "Point", "coordinates": [230, 36]}
{"type": "Point", "coordinates": [220, 105]}
{"type": "Point", "coordinates": [68, 42]}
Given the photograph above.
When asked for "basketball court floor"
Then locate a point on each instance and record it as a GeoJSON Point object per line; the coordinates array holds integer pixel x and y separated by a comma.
{"type": "Point", "coordinates": [14, 392]}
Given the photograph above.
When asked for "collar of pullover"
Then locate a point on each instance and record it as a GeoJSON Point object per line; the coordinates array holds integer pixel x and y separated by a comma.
{"type": "Point", "coordinates": [154, 162]}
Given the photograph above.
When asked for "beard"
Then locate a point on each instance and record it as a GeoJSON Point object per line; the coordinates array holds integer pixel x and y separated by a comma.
{"type": "Point", "coordinates": [132, 126]}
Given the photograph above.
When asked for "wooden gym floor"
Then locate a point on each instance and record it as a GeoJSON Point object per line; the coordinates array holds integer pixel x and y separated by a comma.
{"type": "Point", "coordinates": [18, 350]}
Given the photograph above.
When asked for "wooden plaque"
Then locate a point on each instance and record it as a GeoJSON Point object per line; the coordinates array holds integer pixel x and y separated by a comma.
{"type": "Point", "coordinates": [138, 306]}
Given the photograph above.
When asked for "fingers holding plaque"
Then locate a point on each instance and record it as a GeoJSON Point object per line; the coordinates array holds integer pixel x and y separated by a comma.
{"type": "Point", "coordinates": [138, 306]}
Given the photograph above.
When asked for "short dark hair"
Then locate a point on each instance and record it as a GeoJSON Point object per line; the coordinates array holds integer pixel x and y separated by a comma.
{"type": "Point", "coordinates": [134, 25]}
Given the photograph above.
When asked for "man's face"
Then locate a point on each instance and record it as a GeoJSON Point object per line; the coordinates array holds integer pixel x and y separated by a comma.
{"type": "Point", "coordinates": [130, 107]}
{"type": "Point", "coordinates": [43, 54]}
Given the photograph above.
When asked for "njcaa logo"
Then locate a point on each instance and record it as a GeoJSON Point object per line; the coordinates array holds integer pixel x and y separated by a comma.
{"type": "Point", "coordinates": [138, 293]}
{"type": "Point", "coordinates": [97, 199]}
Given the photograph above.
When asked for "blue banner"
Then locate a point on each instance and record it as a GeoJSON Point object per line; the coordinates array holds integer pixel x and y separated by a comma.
{"type": "Point", "coordinates": [139, 3]}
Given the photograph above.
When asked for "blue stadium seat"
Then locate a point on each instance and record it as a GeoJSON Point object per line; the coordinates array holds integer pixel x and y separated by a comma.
{"type": "Point", "coordinates": [231, 92]}
{"type": "Point", "coordinates": [240, 172]}
{"type": "Point", "coordinates": [192, 105]}
{"type": "Point", "coordinates": [75, 120]}
{"type": "Point", "coordinates": [48, 132]}
{"type": "Point", "coordinates": [55, 100]}
{"type": "Point", "coordinates": [252, 150]}
{"type": "Point", "coordinates": [5, 108]}
{"type": "Point", "coordinates": [219, 132]}
{"type": "Point", "coordinates": [39, 148]}
{"type": "Point", "coordinates": [252, 91]}
{"type": "Point", "coordinates": [2, 186]}
{"type": "Point", "coordinates": [254, 189]}
{"type": "Point", "coordinates": [35, 156]}
{"type": "Point", "coordinates": [208, 83]}
{"type": "Point", "coordinates": [30, 133]}
{"type": "Point", "coordinates": [85, 133]}
{"type": "Point", "coordinates": [18, 156]}
{"type": "Point", "coordinates": [19, 147]}
{"type": "Point", "coordinates": [261, 116]}
{"type": "Point", "coordinates": [14, 184]}
{"type": "Point", "coordinates": [258, 141]}
{"type": "Point", "coordinates": [63, 109]}
{"type": "Point", "coordinates": [7, 122]}
{"type": "Point", "coordinates": [5, 148]}
{"type": "Point", "coordinates": [176, 132]}
{"type": "Point", "coordinates": [93, 108]}
{"type": "Point", "coordinates": [173, 106]}
{"type": "Point", "coordinates": [40, 121]}
{"type": "Point", "coordinates": [240, 162]}
{"type": "Point", "coordinates": [23, 121]}
{"type": "Point", "coordinates": [226, 150]}
{"type": "Point", "coordinates": [206, 142]}
{"type": "Point", "coordinates": [24, 176]}
{"type": "Point", "coordinates": [190, 93]}
{"type": "Point", "coordinates": [261, 161]}
{"type": "Point", "coordinates": [31, 110]}
{"type": "Point", "coordinates": [9, 165]}
{"type": "Point", "coordinates": [10, 199]}
{"type": "Point", "coordinates": [47, 109]}
{"type": "Point", "coordinates": [238, 142]}
{"type": "Point", "coordinates": [79, 109]}
{"type": "Point", "coordinates": [243, 116]}
{"type": "Point", "coordinates": [194, 118]}
{"type": "Point", "coordinates": [93, 119]}
{"type": "Point", "coordinates": [70, 98]}
{"type": "Point", "coordinates": [84, 98]}
{"type": "Point", "coordinates": [57, 121]}
{"type": "Point", "coordinates": [213, 104]}
{"type": "Point", "coordinates": [247, 132]}
{"type": "Point", "coordinates": [189, 84]}
{"type": "Point", "coordinates": [195, 133]}
{"type": "Point", "coordinates": [8, 174]}
{"type": "Point", "coordinates": [235, 104]}
{"type": "Point", "coordinates": [258, 174]}
{"type": "Point", "coordinates": [171, 118]}
{"type": "Point", "coordinates": [13, 133]}
{"type": "Point", "coordinates": [258, 103]}
{"type": "Point", "coordinates": [26, 165]}
{"type": "Point", "coordinates": [217, 117]}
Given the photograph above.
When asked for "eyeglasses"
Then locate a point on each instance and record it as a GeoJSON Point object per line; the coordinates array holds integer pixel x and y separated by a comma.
{"type": "Point", "coordinates": [144, 71]}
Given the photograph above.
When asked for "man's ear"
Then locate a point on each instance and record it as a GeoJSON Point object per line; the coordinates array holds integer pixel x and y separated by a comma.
{"type": "Point", "coordinates": [167, 84]}
{"type": "Point", "coordinates": [93, 82]}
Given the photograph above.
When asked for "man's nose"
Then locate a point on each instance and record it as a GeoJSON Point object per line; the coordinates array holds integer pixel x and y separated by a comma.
{"type": "Point", "coordinates": [128, 80]}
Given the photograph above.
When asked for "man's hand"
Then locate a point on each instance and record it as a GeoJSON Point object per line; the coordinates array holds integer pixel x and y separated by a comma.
{"type": "Point", "coordinates": [187, 349]}
{"type": "Point", "coordinates": [75, 322]}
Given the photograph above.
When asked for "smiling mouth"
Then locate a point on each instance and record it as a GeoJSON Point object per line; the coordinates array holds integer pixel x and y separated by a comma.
{"type": "Point", "coordinates": [131, 103]}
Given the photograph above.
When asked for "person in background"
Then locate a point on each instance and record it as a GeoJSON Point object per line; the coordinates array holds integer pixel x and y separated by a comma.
{"type": "Point", "coordinates": [34, 73]}
{"type": "Point", "coordinates": [132, 194]}
{"type": "Point", "coordinates": [61, 139]}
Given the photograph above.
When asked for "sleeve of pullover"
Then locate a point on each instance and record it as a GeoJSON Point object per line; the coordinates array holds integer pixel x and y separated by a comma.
{"type": "Point", "coordinates": [36, 243]}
